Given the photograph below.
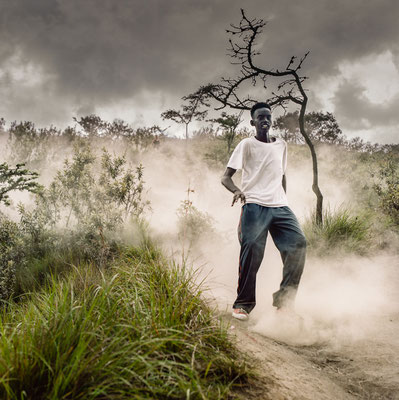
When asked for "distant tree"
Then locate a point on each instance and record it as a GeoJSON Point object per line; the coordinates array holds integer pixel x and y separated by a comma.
{"type": "Point", "coordinates": [386, 186]}
{"type": "Point", "coordinates": [24, 143]}
{"type": "Point", "coordinates": [187, 113]}
{"type": "Point", "coordinates": [144, 137]}
{"type": "Point", "coordinates": [288, 125]}
{"type": "Point", "coordinates": [119, 128]}
{"type": "Point", "coordinates": [70, 133]}
{"type": "Point", "coordinates": [359, 145]}
{"type": "Point", "coordinates": [288, 83]}
{"type": "Point", "coordinates": [17, 178]}
{"type": "Point", "coordinates": [92, 125]}
{"type": "Point", "coordinates": [321, 127]}
{"type": "Point", "coordinates": [205, 132]}
{"type": "Point", "coordinates": [229, 124]}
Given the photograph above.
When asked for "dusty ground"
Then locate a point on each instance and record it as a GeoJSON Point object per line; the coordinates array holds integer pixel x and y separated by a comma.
{"type": "Point", "coordinates": [366, 368]}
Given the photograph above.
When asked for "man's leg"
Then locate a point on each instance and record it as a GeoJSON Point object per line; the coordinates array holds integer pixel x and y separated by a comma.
{"type": "Point", "coordinates": [254, 224]}
{"type": "Point", "coordinates": [290, 241]}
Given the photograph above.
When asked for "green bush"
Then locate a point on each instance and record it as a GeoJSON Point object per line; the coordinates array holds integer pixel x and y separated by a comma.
{"type": "Point", "coordinates": [80, 216]}
{"type": "Point", "coordinates": [340, 230]}
{"type": "Point", "coordinates": [138, 331]}
{"type": "Point", "coordinates": [192, 223]}
{"type": "Point", "coordinates": [11, 255]}
{"type": "Point", "coordinates": [386, 187]}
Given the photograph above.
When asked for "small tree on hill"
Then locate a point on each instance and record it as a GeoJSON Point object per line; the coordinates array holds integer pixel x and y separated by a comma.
{"type": "Point", "coordinates": [288, 125]}
{"type": "Point", "coordinates": [92, 125]}
{"type": "Point", "coordinates": [187, 113]}
{"type": "Point", "coordinates": [321, 127]}
{"type": "Point", "coordinates": [229, 123]}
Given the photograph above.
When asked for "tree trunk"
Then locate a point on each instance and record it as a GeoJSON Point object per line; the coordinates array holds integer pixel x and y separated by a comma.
{"type": "Point", "coordinates": [315, 185]}
{"type": "Point", "coordinates": [186, 131]}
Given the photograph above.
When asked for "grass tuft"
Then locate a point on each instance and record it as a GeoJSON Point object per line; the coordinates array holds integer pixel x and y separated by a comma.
{"type": "Point", "coordinates": [341, 230]}
{"type": "Point", "coordinates": [140, 330]}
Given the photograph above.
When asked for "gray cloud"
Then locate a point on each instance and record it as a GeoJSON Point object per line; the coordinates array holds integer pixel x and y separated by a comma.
{"type": "Point", "coordinates": [356, 111]}
{"type": "Point", "coordinates": [95, 52]}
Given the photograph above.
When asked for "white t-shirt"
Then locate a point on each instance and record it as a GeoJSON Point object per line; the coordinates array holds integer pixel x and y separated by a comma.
{"type": "Point", "coordinates": [263, 166]}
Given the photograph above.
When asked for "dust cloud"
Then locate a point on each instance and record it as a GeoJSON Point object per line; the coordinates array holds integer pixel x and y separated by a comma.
{"type": "Point", "coordinates": [341, 298]}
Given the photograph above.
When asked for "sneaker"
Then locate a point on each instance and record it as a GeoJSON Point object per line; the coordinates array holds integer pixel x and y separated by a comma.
{"type": "Point", "coordinates": [240, 313]}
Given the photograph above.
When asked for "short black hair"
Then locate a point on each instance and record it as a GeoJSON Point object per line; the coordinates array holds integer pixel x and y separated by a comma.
{"type": "Point", "coordinates": [256, 106]}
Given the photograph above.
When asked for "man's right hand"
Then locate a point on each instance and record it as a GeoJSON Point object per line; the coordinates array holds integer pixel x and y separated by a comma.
{"type": "Point", "coordinates": [238, 195]}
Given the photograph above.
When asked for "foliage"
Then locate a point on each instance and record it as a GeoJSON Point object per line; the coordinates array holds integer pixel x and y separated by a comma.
{"type": "Point", "coordinates": [123, 186]}
{"type": "Point", "coordinates": [192, 223]}
{"type": "Point", "coordinates": [29, 144]}
{"type": "Point", "coordinates": [10, 255]}
{"type": "Point", "coordinates": [92, 125]}
{"type": "Point", "coordinates": [321, 127]}
{"type": "Point", "coordinates": [103, 200]}
{"type": "Point", "coordinates": [229, 125]}
{"type": "Point", "coordinates": [213, 146]}
{"type": "Point", "coordinates": [144, 137]}
{"type": "Point", "coordinates": [83, 212]}
{"type": "Point", "coordinates": [288, 125]}
{"type": "Point", "coordinates": [189, 112]}
{"type": "Point", "coordinates": [17, 178]}
{"type": "Point", "coordinates": [387, 187]}
{"type": "Point", "coordinates": [341, 230]}
{"type": "Point", "coordinates": [140, 330]}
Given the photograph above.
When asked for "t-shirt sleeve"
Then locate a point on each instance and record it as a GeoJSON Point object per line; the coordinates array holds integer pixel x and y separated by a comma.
{"type": "Point", "coordinates": [235, 161]}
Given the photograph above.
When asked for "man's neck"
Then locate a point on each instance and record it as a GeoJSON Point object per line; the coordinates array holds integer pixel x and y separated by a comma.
{"type": "Point", "coordinates": [265, 138]}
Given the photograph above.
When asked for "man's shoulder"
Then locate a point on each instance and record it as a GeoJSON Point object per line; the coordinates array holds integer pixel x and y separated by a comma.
{"type": "Point", "coordinates": [243, 143]}
{"type": "Point", "coordinates": [246, 140]}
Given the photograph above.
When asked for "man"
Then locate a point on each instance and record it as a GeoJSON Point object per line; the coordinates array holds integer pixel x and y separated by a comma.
{"type": "Point", "coordinates": [263, 161]}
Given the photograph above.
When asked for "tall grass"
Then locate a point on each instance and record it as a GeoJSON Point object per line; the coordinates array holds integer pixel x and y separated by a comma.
{"type": "Point", "coordinates": [138, 331]}
{"type": "Point", "coordinates": [341, 230]}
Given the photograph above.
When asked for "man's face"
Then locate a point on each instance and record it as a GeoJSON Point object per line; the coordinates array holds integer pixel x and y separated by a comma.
{"type": "Point", "coordinates": [262, 120]}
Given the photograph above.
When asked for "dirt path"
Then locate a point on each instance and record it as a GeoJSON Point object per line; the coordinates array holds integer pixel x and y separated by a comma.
{"type": "Point", "coordinates": [361, 369]}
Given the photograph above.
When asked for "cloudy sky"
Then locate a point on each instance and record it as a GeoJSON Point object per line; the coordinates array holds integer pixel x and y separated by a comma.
{"type": "Point", "coordinates": [133, 59]}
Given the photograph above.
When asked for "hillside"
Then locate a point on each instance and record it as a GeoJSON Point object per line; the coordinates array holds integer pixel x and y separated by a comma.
{"type": "Point", "coordinates": [151, 226]}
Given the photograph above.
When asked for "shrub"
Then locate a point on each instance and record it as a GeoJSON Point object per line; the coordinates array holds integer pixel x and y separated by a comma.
{"type": "Point", "coordinates": [17, 178]}
{"type": "Point", "coordinates": [80, 216]}
{"type": "Point", "coordinates": [387, 188]}
{"type": "Point", "coordinates": [140, 330]}
{"type": "Point", "coordinates": [340, 230]}
{"type": "Point", "coordinates": [83, 210]}
{"type": "Point", "coordinates": [10, 255]}
{"type": "Point", "coordinates": [192, 223]}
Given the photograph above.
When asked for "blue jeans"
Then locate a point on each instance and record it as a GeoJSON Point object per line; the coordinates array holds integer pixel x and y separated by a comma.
{"type": "Point", "coordinates": [255, 222]}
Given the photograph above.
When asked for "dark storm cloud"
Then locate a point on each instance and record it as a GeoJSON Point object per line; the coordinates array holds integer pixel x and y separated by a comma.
{"type": "Point", "coordinates": [114, 49]}
{"type": "Point", "coordinates": [102, 51]}
{"type": "Point", "coordinates": [356, 111]}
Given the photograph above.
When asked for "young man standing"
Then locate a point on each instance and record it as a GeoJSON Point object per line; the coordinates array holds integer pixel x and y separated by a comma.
{"type": "Point", "coordinates": [263, 161]}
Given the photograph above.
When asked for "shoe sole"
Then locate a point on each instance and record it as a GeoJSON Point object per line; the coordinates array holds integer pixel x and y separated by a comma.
{"type": "Point", "coordinates": [241, 317]}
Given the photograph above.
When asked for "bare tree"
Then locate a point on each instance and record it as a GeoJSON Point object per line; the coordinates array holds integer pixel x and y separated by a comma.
{"type": "Point", "coordinates": [188, 112]}
{"type": "Point", "coordinates": [288, 83]}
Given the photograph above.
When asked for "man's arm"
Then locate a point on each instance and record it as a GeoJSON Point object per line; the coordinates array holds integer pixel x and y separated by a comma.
{"type": "Point", "coordinates": [284, 183]}
{"type": "Point", "coordinates": [228, 183]}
